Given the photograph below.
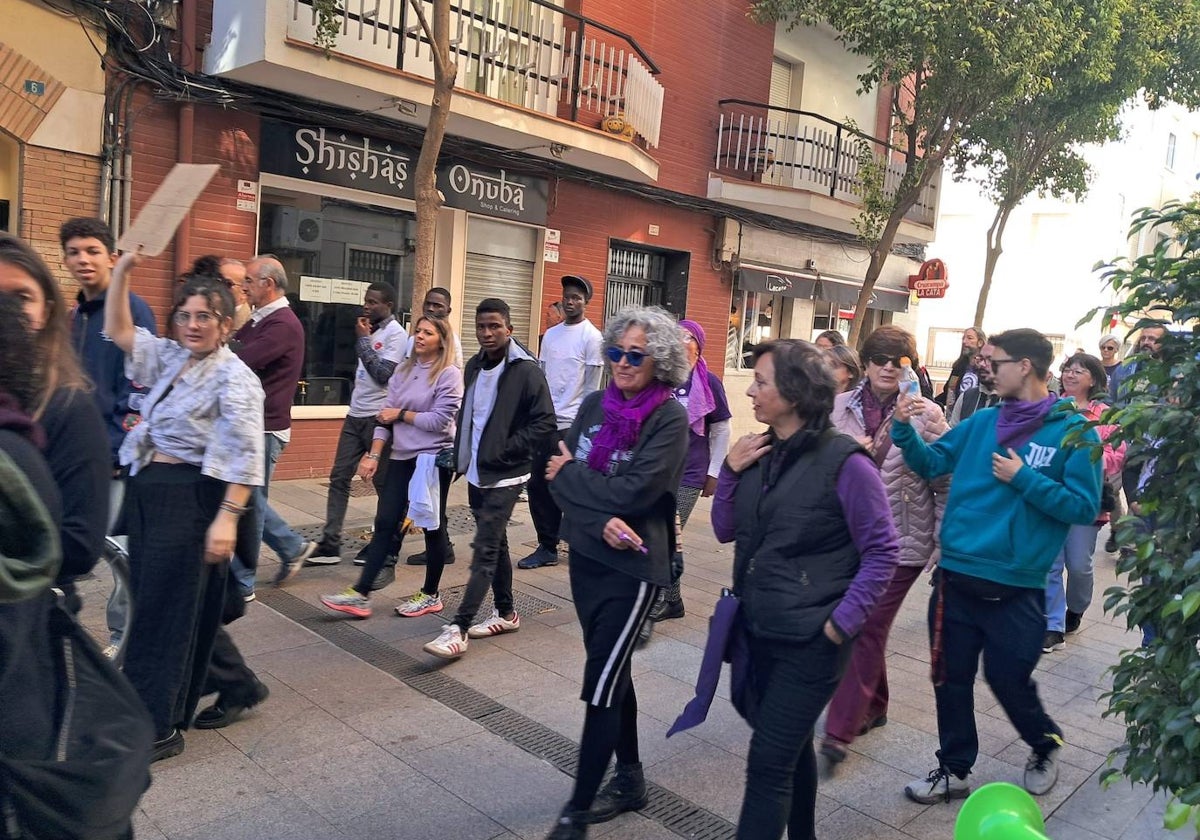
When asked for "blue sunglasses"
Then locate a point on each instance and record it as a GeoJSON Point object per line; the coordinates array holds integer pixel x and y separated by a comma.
{"type": "Point", "coordinates": [615, 354]}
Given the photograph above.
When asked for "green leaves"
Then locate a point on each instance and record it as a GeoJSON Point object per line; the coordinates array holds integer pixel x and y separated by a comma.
{"type": "Point", "coordinates": [1156, 689]}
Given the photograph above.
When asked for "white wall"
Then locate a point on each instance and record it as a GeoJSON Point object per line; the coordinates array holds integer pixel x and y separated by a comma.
{"type": "Point", "coordinates": [830, 84]}
{"type": "Point", "coordinates": [1045, 279]}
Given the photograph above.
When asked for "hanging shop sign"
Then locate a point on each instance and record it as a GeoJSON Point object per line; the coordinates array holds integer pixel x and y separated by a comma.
{"type": "Point", "coordinates": [345, 159]}
{"type": "Point", "coordinates": [931, 281]}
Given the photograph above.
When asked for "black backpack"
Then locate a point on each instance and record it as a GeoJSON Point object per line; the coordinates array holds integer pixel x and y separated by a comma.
{"type": "Point", "coordinates": [99, 764]}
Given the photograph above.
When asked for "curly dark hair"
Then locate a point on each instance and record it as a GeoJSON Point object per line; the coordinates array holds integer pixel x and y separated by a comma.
{"type": "Point", "coordinates": [18, 354]}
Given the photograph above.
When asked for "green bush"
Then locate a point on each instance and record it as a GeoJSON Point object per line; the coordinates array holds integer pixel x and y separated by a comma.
{"type": "Point", "coordinates": [1156, 688]}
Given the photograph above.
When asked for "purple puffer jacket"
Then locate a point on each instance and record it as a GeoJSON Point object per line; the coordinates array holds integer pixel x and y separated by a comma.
{"type": "Point", "coordinates": [917, 505]}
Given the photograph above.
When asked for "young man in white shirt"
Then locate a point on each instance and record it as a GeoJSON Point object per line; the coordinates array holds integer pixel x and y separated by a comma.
{"type": "Point", "coordinates": [380, 345]}
{"type": "Point", "coordinates": [506, 408]}
{"type": "Point", "coordinates": [570, 358]}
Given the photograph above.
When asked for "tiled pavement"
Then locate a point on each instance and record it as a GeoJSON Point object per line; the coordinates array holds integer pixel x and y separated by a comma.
{"type": "Point", "coordinates": [344, 750]}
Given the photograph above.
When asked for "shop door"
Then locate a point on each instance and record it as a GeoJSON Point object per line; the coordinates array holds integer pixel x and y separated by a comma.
{"type": "Point", "coordinates": [489, 276]}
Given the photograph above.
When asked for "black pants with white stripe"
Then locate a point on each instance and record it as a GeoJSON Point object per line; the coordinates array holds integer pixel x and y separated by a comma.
{"type": "Point", "coordinates": [611, 608]}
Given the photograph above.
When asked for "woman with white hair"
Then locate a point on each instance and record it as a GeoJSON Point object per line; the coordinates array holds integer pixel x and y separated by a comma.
{"type": "Point", "coordinates": [615, 478]}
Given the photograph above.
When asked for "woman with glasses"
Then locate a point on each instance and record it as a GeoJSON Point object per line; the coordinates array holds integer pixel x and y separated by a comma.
{"type": "Point", "coordinates": [615, 479]}
{"type": "Point", "coordinates": [703, 396]}
{"type": "Point", "coordinates": [846, 367]}
{"type": "Point", "coordinates": [814, 549]}
{"type": "Point", "coordinates": [192, 462]}
{"type": "Point", "coordinates": [860, 703]}
{"type": "Point", "coordinates": [1084, 381]}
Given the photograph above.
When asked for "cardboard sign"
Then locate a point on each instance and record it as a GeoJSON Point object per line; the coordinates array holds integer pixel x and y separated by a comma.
{"type": "Point", "coordinates": [161, 215]}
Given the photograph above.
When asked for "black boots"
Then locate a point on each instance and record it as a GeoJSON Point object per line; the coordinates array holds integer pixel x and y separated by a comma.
{"type": "Point", "coordinates": [571, 825]}
{"type": "Point", "coordinates": [625, 791]}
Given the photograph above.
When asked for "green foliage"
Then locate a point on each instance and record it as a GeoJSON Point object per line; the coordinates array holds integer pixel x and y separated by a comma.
{"type": "Point", "coordinates": [1156, 689]}
{"type": "Point", "coordinates": [329, 23]}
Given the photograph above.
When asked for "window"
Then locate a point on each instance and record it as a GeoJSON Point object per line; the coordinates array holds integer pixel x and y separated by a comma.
{"type": "Point", "coordinates": [753, 319]}
{"type": "Point", "coordinates": [1171, 151]}
{"type": "Point", "coordinates": [332, 250]}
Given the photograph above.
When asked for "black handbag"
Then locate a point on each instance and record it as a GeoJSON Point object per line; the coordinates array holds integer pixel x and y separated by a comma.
{"type": "Point", "coordinates": [1108, 498]}
{"type": "Point", "coordinates": [446, 459]}
{"type": "Point", "coordinates": [99, 764]}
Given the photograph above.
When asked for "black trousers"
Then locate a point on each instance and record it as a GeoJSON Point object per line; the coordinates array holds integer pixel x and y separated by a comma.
{"type": "Point", "coordinates": [393, 502]}
{"type": "Point", "coordinates": [1009, 635]}
{"type": "Point", "coordinates": [491, 565]}
{"type": "Point", "coordinates": [794, 681]}
{"type": "Point", "coordinates": [354, 442]}
{"type": "Point", "coordinates": [547, 518]}
{"type": "Point", "coordinates": [178, 598]}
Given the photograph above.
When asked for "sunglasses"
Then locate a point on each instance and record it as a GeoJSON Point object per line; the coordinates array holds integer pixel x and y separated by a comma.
{"type": "Point", "coordinates": [995, 363]}
{"type": "Point", "coordinates": [634, 357]}
{"type": "Point", "coordinates": [880, 360]}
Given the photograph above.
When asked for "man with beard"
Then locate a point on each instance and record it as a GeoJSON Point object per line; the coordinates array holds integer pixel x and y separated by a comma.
{"type": "Point", "coordinates": [973, 338]}
{"type": "Point", "coordinates": [982, 394]}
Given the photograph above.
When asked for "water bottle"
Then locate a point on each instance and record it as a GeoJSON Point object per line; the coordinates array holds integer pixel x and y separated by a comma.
{"type": "Point", "coordinates": [910, 385]}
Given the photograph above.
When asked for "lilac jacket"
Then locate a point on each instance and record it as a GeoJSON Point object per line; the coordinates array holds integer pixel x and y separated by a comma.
{"type": "Point", "coordinates": [435, 405]}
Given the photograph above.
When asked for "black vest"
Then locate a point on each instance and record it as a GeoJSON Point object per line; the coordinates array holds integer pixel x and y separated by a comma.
{"type": "Point", "coordinates": [794, 559]}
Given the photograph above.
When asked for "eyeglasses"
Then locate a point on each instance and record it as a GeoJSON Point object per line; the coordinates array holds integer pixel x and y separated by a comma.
{"type": "Point", "coordinates": [995, 363]}
{"type": "Point", "coordinates": [880, 360]}
{"type": "Point", "coordinates": [1111, 348]}
{"type": "Point", "coordinates": [202, 319]}
{"type": "Point", "coordinates": [634, 357]}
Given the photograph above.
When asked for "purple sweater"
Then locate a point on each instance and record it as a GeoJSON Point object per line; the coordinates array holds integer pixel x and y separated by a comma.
{"type": "Point", "coordinates": [869, 519]}
{"type": "Point", "coordinates": [434, 405]}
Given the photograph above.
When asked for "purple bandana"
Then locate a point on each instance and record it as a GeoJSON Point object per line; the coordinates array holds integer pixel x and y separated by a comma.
{"type": "Point", "coordinates": [1019, 421]}
{"type": "Point", "coordinates": [700, 395]}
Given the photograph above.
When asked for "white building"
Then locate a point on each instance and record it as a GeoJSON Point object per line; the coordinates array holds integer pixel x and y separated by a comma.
{"type": "Point", "coordinates": [1045, 278]}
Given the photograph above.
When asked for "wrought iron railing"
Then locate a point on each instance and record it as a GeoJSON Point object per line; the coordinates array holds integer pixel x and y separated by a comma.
{"type": "Point", "coordinates": [807, 151]}
{"type": "Point", "coordinates": [529, 53]}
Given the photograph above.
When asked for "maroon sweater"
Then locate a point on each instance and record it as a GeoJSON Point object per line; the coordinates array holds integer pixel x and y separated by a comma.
{"type": "Point", "coordinates": [274, 349]}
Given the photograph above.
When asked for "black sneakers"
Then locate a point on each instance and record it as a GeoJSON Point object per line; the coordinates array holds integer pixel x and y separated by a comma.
{"type": "Point", "coordinates": [625, 791]}
{"type": "Point", "coordinates": [1053, 641]}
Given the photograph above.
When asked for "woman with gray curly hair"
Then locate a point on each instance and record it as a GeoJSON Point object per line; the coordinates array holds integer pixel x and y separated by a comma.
{"type": "Point", "coordinates": [615, 479]}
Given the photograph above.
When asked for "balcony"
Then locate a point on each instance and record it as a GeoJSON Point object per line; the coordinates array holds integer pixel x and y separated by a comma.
{"type": "Point", "coordinates": [805, 167]}
{"type": "Point", "coordinates": [532, 76]}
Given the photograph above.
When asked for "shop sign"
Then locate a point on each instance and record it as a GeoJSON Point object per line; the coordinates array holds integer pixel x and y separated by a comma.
{"type": "Point", "coordinates": [550, 252]}
{"type": "Point", "coordinates": [247, 196]}
{"type": "Point", "coordinates": [494, 192]}
{"type": "Point", "coordinates": [931, 281]}
{"type": "Point", "coordinates": [346, 159]}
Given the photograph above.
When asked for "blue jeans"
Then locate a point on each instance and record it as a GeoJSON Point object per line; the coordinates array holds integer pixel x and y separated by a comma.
{"type": "Point", "coordinates": [264, 520]}
{"type": "Point", "coordinates": [1076, 559]}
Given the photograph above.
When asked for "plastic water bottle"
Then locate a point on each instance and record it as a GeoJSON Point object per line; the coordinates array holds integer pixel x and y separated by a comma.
{"type": "Point", "coordinates": [910, 385]}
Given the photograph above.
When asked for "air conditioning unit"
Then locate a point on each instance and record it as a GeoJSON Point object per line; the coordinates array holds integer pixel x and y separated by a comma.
{"type": "Point", "coordinates": [298, 230]}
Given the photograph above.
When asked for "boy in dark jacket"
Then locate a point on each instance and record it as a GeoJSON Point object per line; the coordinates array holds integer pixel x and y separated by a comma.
{"type": "Point", "coordinates": [506, 407]}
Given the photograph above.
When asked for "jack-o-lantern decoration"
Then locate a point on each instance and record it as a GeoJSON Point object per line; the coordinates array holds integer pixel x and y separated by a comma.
{"type": "Point", "coordinates": [617, 124]}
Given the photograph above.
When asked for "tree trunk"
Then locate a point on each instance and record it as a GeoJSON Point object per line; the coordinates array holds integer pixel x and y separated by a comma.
{"type": "Point", "coordinates": [995, 237]}
{"type": "Point", "coordinates": [429, 202]}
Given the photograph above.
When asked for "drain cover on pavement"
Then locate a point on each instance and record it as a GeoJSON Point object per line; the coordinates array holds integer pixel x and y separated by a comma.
{"type": "Point", "coordinates": [523, 603]}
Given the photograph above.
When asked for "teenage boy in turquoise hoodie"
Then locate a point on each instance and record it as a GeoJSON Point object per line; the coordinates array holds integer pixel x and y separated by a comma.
{"type": "Point", "coordinates": [1022, 474]}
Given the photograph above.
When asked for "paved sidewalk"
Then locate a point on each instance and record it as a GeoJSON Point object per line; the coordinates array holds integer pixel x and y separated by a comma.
{"type": "Point", "coordinates": [414, 748]}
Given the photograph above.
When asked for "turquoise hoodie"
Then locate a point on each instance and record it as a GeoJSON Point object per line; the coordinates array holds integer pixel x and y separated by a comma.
{"type": "Point", "coordinates": [1009, 533]}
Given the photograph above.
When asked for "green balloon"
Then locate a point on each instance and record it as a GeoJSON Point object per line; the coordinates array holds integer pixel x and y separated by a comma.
{"type": "Point", "coordinates": [1000, 811]}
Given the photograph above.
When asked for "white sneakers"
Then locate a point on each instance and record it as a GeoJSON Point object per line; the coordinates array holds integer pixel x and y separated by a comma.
{"type": "Point", "coordinates": [1041, 772]}
{"type": "Point", "coordinates": [939, 786]}
{"type": "Point", "coordinates": [494, 626]}
{"type": "Point", "coordinates": [451, 644]}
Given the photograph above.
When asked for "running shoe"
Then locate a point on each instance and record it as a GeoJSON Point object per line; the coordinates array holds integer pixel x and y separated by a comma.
{"type": "Point", "coordinates": [351, 602]}
{"type": "Point", "coordinates": [419, 604]}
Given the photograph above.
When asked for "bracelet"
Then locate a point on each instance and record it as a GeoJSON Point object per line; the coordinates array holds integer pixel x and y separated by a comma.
{"type": "Point", "coordinates": [231, 507]}
{"type": "Point", "coordinates": [371, 456]}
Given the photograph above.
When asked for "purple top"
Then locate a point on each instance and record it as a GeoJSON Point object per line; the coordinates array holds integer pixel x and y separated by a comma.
{"type": "Point", "coordinates": [869, 520]}
{"type": "Point", "coordinates": [434, 405]}
{"type": "Point", "coordinates": [695, 466]}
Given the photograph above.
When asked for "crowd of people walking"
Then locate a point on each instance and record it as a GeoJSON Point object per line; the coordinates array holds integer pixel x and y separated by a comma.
{"type": "Point", "coordinates": [853, 493]}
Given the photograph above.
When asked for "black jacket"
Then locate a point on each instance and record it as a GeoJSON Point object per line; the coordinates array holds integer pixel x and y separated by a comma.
{"type": "Point", "coordinates": [641, 491]}
{"type": "Point", "coordinates": [522, 414]}
{"type": "Point", "coordinates": [794, 558]}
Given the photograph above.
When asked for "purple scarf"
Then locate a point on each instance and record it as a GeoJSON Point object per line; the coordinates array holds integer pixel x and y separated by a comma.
{"type": "Point", "coordinates": [874, 412]}
{"type": "Point", "coordinates": [14, 418]}
{"type": "Point", "coordinates": [700, 395]}
{"type": "Point", "coordinates": [1019, 421]}
{"type": "Point", "coordinates": [623, 421]}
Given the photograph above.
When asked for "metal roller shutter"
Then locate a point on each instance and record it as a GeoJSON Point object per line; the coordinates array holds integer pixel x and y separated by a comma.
{"type": "Point", "coordinates": [489, 276]}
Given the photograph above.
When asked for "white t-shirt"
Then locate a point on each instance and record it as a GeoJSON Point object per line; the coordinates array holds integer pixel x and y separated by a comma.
{"type": "Point", "coordinates": [567, 350]}
{"type": "Point", "coordinates": [369, 396]}
{"type": "Point", "coordinates": [483, 400]}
